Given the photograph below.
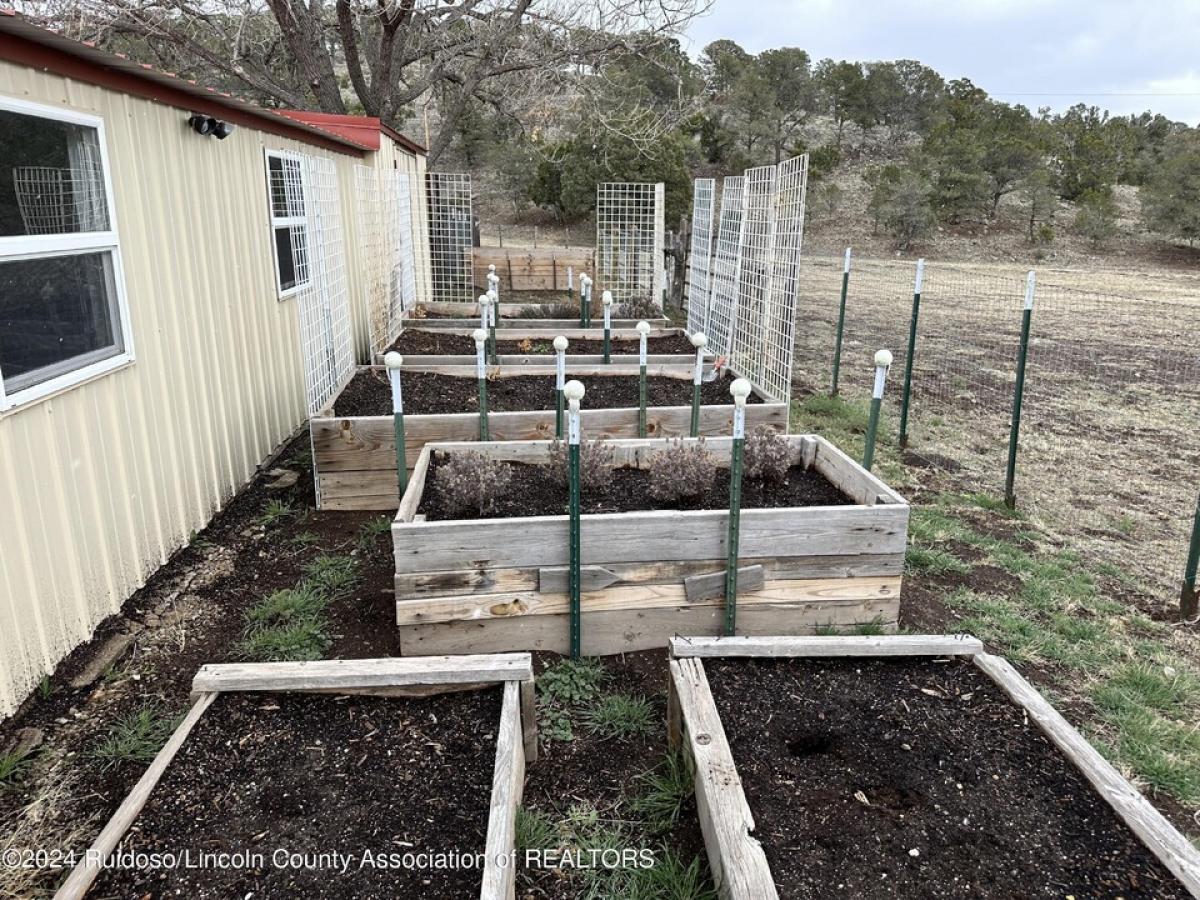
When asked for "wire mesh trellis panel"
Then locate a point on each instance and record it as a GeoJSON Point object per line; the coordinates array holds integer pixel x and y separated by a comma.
{"type": "Point", "coordinates": [700, 253]}
{"type": "Point", "coordinates": [718, 326]}
{"type": "Point", "coordinates": [385, 226]}
{"type": "Point", "coordinates": [629, 241]}
{"type": "Point", "coordinates": [747, 353]}
{"type": "Point", "coordinates": [323, 300]}
{"type": "Point", "coordinates": [779, 326]}
{"type": "Point", "coordinates": [450, 243]}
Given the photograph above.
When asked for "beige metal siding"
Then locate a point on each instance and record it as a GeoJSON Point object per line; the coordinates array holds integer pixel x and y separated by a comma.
{"type": "Point", "coordinates": [102, 482]}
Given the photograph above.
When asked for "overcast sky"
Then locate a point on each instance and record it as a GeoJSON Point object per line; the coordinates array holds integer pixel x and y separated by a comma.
{"type": "Point", "coordinates": [1121, 55]}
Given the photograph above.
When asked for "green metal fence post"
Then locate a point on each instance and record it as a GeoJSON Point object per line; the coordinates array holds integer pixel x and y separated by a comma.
{"type": "Point", "coordinates": [643, 330]}
{"type": "Point", "coordinates": [1189, 606]}
{"type": "Point", "coordinates": [699, 341]}
{"type": "Point", "coordinates": [883, 362]}
{"type": "Point", "coordinates": [740, 390]}
{"type": "Point", "coordinates": [912, 352]}
{"type": "Point", "coordinates": [841, 325]}
{"type": "Point", "coordinates": [560, 379]}
{"type": "Point", "coordinates": [607, 299]}
{"type": "Point", "coordinates": [394, 361]}
{"type": "Point", "coordinates": [1010, 475]}
{"type": "Point", "coordinates": [481, 373]}
{"type": "Point", "coordinates": [570, 284]}
{"type": "Point", "coordinates": [574, 393]}
{"type": "Point", "coordinates": [493, 281]}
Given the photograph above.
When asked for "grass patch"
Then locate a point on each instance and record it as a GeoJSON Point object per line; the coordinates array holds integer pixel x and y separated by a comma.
{"type": "Point", "coordinates": [332, 574]}
{"type": "Point", "coordinates": [844, 423]}
{"type": "Point", "coordinates": [932, 561]}
{"type": "Point", "coordinates": [561, 688]}
{"type": "Point", "coordinates": [534, 831]}
{"type": "Point", "coordinates": [370, 531]}
{"type": "Point", "coordinates": [136, 738]}
{"type": "Point", "coordinates": [616, 716]}
{"type": "Point", "coordinates": [288, 625]}
{"type": "Point", "coordinates": [276, 512]}
{"type": "Point", "coordinates": [13, 767]}
{"type": "Point", "coordinates": [663, 791]}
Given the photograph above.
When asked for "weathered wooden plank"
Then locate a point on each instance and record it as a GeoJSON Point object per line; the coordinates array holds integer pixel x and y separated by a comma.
{"type": "Point", "coordinates": [642, 597]}
{"type": "Point", "coordinates": [89, 868]}
{"type": "Point", "coordinates": [828, 645]}
{"type": "Point", "coordinates": [736, 859]}
{"type": "Point", "coordinates": [681, 369]}
{"type": "Point", "coordinates": [530, 362]}
{"type": "Point", "coordinates": [529, 728]}
{"type": "Point", "coordinates": [548, 329]}
{"type": "Point", "coordinates": [508, 781]}
{"type": "Point", "coordinates": [416, 487]}
{"type": "Point", "coordinates": [491, 581]}
{"type": "Point", "coordinates": [850, 477]}
{"type": "Point", "coordinates": [539, 541]}
{"type": "Point", "coordinates": [1162, 838]}
{"type": "Point", "coordinates": [712, 584]}
{"type": "Point", "coordinates": [556, 580]}
{"type": "Point", "coordinates": [347, 674]}
{"type": "Point", "coordinates": [606, 632]}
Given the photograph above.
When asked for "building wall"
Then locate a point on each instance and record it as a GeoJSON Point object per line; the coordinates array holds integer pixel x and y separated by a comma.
{"type": "Point", "coordinates": [102, 482]}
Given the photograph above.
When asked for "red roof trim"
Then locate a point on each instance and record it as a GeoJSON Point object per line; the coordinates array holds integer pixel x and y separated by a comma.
{"type": "Point", "coordinates": [54, 54]}
{"type": "Point", "coordinates": [355, 127]}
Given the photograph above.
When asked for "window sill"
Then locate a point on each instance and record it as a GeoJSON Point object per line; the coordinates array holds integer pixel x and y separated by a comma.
{"type": "Point", "coordinates": [55, 387]}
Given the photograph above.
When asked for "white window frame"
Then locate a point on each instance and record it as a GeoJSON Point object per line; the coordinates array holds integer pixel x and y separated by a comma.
{"type": "Point", "coordinates": [277, 222]}
{"type": "Point", "coordinates": [19, 247]}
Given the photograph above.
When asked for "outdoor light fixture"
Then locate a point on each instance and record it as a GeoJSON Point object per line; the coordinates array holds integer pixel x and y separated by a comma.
{"type": "Point", "coordinates": [206, 125]}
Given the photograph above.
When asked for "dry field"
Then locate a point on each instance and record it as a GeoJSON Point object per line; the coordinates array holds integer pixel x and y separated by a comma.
{"type": "Point", "coordinates": [1108, 460]}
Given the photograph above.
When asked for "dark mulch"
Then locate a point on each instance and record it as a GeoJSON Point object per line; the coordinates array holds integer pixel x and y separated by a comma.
{"type": "Point", "coordinates": [368, 393]}
{"type": "Point", "coordinates": [431, 342]}
{"type": "Point", "coordinates": [539, 490]}
{"type": "Point", "coordinates": [314, 775]}
{"type": "Point", "coordinates": [993, 809]}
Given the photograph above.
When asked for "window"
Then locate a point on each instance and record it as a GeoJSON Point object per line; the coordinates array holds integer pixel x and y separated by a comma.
{"type": "Point", "coordinates": [63, 317]}
{"type": "Point", "coordinates": [289, 227]}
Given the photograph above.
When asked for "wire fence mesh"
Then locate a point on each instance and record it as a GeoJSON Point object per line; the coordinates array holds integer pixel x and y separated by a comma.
{"type": "Point", "coordinates": [450, 240]}
{"type": "Point", "coordinates": [718, 327]}
{"type": "Point", "coordinates": [700, 255]}
{"type": "Point", "coordinates": [1106, 456]}
{"type": "Point", "coordinates": [628, 240]}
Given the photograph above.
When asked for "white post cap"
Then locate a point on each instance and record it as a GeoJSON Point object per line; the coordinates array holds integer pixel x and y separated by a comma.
{"type": "Point", "coordinates": [393, 360]}
{"type": "Point", "coordinates": [606, 298]}
{"type": "Point", "coordinates": [584, 278]}
{"type": "Point", "coordinates": [699, 340]}
{"type": "Point", "coordinates": [883, 358]}
{"type": "Point", "coordinates": [491, 267]}
{"type": "Point", "coordinates": [480, 337]}
{"type": "Point", "coordinates": [643, 327]}
{"type": "Point", "coordinates": [560, 343]}
{"type": "Point", "coordinates": [740, 390]}
{"type": "Point", "coordinates": [485, 299]}
{"type": "Point", "coordinates": [491, 295]}
{"type": "Point", "coordinates": [573, 391]}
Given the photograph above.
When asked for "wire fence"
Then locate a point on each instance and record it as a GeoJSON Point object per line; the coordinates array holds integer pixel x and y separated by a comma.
{"type": "Point", "coordinates": [1106, 457]}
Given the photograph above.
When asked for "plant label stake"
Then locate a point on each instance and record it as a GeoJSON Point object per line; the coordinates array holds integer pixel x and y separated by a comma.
{"type": "Point", "coordinates": [740, 389]}
{"type": "Point", "coordinates": [485, 303]}
{"type": "Point", "coordinates": [841, 325]}
{"type": "Point", "coordinates": [1188, 606]}
{"type": "Point", "coordinates": [607, 300]}
{"type": "Point", "coordinates": [574, 393]}
{"type": "Point", "coordinates": [481, 373]}
{"type": "Point", "coordinates": [560, 377]}
{"type": "Point", "coordinates": [394, 361]}
{"type": "Point", "coordinates": [493, 310]}
{"type": "Point", "coordinates": [883, 362]}
{"type": "Point", "coordinates": [912, 352]}
{"type": "Point", "coordinates": [643, 329]}
{"type": "Point", "coordinates": [699, 341]}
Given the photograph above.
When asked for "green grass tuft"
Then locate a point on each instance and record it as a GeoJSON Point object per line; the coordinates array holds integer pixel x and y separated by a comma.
{"type": "Point", "coordinates": [287, 606]}
{"type": "Point", "coordinates": [332, 574]}
{"type": "Point", "coordinates": [664, 789]}
{"type": "Point", "coordinates": [616, 716]}
{"type": "Point", "coordinates": [534, 830]}
{"type": "Point", "coordinates": [276, 512]}
{"type": "Point", "coordinates": [933, 561]}
{"type": "Point", "coordinates": [135, 738]}
{"type": "Point", "coordinates": [299, 641]}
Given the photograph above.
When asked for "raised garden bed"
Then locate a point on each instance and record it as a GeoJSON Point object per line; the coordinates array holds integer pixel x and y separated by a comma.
{"type": "Point", "coordinates": [904, 766]}
{"type": "Point", "coordinates": [354, 456]}
{"type": "Point", "coordinates": [431, 347]}
{"type": "Point", "coordinates": [294, 762]}
{"type": "Point", "coordinates": [648, 573]}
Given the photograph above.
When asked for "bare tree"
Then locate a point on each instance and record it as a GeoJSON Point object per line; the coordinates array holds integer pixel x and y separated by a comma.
{"type": "Point", "coordinates": [377, 57]}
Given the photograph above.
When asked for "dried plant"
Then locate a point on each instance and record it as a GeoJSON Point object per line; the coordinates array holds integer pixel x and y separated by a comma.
{"type": "Point", "coordinates": [526, 346]}
{"type": "Point", "coordinates": [683, 471]}
{"type": "Point", "coordinates": [639, 308]}
{"type": "Point", "coordinates": [419, 311]}
{"type": "Point", "coordinates": [767, 455]}
{"type": "Point", "coordinates": [472, 483]}
{"type": "Point", "coordinates": [596, 462]}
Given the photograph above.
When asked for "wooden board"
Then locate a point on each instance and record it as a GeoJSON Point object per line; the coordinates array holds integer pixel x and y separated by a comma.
{"type": "Point", "coordinates": [508, 781]}
{"type": "Point", "coordinates": [351, 674]}
{"type": "Point", "coordinates": [681, 370]}
{"type": "Point", "coordinates": [1174, 850]}
{"type": "Point", "coordinates": [803, 593]}
{"type": "Point", "coordinates": [828, 645]}
{"type": "Point", "coordinates": [651, 536]}
{"type": "Point", "coordinates": [736, 859]}
{"type": "Point", "coordinates": [607, 632]}
{"type": "Point", "coordinates": [549, 329]}
{"type": "Point", "coordinates": [750, 579]}
{"type": "Point", "coordinates": [554, 579]}
{"type": "Point", "coordinates": [533, 363]}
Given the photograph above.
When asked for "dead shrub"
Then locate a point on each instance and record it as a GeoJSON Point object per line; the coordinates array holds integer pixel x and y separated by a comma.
{"type": "Point", "coordinates": [682, 471]}
{"type": "Point", "coordinates": [473, 483]}
{"type": "Point", "coordinates": [766, 455]}
{"type": "Point", "coordinates": [596, 462]}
